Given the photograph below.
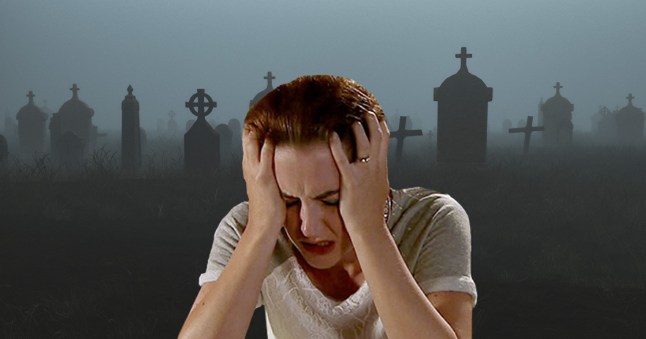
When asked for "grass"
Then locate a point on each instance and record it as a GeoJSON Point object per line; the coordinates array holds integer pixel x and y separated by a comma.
{"type": "Point", "coordinates": [557, 242]}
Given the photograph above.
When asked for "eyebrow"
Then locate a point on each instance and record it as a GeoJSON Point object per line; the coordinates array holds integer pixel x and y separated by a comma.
{"type": "Point", "coordinates": [323, 195]}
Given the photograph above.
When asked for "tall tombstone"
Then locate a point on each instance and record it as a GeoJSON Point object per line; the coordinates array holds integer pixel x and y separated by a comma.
{"type": "Point", "coordinates": [201, 142]}
{"type": "Point", "coordinates": [31, 127]}
{"type": "Point", "coordinates": [4, 152]}
{"type": "Point", "coordinates": [557, 120]}
{"type": "Point", "coordinates": [226, 139]}
{"type": "Point", "coordinates": [75, 117]}
{"type": "Point", "coordinates": [462, 107]}
{"type": "Point", "coordinates": [630, 123]}
{"type": "Point", "coordinates": [269, 77]}
{"type": "Point", "coordinates": [130, 133]}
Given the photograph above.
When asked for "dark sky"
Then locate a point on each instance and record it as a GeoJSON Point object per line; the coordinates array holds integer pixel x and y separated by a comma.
{"type": "Point", "coordinates": [400, 50]}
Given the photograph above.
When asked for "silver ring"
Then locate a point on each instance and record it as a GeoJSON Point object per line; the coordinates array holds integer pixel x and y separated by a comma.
{"type": "Point", "coordinates": [364, 160]}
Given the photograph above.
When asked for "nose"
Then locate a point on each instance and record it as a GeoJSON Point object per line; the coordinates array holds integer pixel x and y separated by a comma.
{"type": "Point", "coordinates": [311, 220]}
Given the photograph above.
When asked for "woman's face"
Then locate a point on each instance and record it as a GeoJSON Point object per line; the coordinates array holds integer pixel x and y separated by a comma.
{"type": "Point", "coordinates": [309, 181]}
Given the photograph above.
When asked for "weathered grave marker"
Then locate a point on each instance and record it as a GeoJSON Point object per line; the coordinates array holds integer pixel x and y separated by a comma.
{"type": "Point", "coordinates": [528, 129]}
{"type": "Point", "coordinates": [401, 134]}
{"type": "Point", "coordinates": [462, 102]}
{"type": "Point", "coordinates": [31, 127]}
{"type": "Point", "coordinates": [130, 133]}
{"type": "Point", "coordinates": [269, 77]}
{"type": "Point", "coordinates": [557, 120]}
{"type": "Point", "coordinates": [201, 142]}
{"type": "Point", "coordinates": [630, 123]}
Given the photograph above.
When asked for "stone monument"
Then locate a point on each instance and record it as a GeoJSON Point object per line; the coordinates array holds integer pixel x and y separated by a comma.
{"type": "Point", "coordinates": [31, 127]}
{"type": "Point", "coordinates": [201, 142]}
{"type": "Point", "coordinates": [130, 133]}
{"type": "Point", "coordinates": [462, 102]}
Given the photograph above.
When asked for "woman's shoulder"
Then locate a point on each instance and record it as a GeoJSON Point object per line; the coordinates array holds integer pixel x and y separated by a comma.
{"type": "Point", "coordinates": [422, 197]}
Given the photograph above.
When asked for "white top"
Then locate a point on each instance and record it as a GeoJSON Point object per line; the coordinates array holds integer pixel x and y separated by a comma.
{"type": "Point", "coordinates": [431, 231]}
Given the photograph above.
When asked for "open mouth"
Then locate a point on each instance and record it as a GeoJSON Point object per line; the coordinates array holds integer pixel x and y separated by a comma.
{"type": "Point", "coordinates": [322, 247]}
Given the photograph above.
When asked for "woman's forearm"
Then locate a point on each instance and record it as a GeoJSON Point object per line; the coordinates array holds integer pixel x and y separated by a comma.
{"type": "Point", "coordinates": [402, 306]}
{"type": "Point", "coordinates": [224, 308]}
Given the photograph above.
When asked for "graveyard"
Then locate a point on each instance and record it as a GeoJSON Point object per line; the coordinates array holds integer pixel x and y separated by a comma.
{"type": "Point", "coordinates": [557, 239]}
{"type": "Point", "coordinates": [104, 233]}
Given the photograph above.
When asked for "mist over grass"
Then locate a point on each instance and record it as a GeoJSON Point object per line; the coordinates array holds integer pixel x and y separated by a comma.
{"type": "Point", "coordinates": [97, 252]}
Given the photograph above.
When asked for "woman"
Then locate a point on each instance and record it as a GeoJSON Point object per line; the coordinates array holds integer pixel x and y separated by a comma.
{"type": "Point", "coordinates": [323, 243]}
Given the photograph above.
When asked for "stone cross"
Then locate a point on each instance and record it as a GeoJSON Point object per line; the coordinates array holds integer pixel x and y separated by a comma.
{"type": "Point", "coordinates": [201, 142]}
{"type": "Point", "coordinates": [558, 88]}
{"type": "Point", "coordinates": [203, 108]}
{"type": "Point", "coordinates": [630, 98]}
{"type": "Point", "coordinates": [463, 56]}
{"type": "Point", "coordinates": [31, 97]}
{"type": "Point", "coordinates": [401, 134]}
{"type": "Point", "coordinates": [75, 90]}
{"type": "Point", "coordinates": [269, 78]}
{"type": "Point", "coordinates": [528, 129]}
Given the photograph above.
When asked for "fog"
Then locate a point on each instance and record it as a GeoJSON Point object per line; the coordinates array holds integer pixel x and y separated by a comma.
{"type": "Point", "coordinates": [400, 50]}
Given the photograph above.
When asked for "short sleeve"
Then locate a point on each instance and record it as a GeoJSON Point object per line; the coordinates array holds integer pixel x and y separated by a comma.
{"type": "Point", "coordinates": [225, 240]}
{"type": "Point", "coordinates": [444, 263]}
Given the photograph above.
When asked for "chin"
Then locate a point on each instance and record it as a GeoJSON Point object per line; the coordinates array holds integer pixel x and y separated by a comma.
{"type": "Point", "coordinates": [320, 262]}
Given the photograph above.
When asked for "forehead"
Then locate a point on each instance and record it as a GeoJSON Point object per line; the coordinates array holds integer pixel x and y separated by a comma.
{"type": "Point", "coordinates": [305, 170]}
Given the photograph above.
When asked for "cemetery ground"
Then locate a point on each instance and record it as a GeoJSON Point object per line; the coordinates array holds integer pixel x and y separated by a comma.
{"type": "Point", "coordinates": [558, 243]}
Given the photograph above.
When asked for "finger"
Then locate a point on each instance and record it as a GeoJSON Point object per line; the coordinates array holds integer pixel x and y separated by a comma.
{"type": "Point", "coordinates": [340, 158]}
{"type": "Point", "coordinates": [375, 132]}
{"type": "Point", "coordinates": [385, 141]}
{"type": "Point", "coordinates": [267, 157]}
{"type": "Point", "coordinates": [250, 146]}
{"type": "Point", "coordinates": [361, 140]}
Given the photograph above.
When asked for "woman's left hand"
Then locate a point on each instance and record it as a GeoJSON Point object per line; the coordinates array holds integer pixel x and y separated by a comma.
{"type": "Point", "coordinates": [364, 183]}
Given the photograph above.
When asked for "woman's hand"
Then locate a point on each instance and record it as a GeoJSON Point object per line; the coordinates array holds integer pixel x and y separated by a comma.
{"type": "Point", "coordinates": [266, 205]}
{"type": "Point", "coordinates": [364, 183]}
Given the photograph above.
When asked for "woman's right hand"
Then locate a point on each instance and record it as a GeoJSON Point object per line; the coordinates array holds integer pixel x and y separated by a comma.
{"type": "Point", "coordinates": [266, 205]}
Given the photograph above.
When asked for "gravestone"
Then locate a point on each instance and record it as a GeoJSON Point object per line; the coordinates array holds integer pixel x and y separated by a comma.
{"type": "Point", "coordinates": [528, 129]}
{"type": "Point", "coordinates": [31, 127]}
{"type": "Point", "coordinates": [630, 124]}
{"type": "Point", "coordinates": [226, 139]}
{"type": "Point", "coordinates": [401, 134]}
{"type": "Point", "coordinates": [557, 120]}
{"type": "Point", "coordinates": [70, 150]}
{"type": "Point", "coordinates": [4, 152]}
{"type": "Point", "coordinates": [462, 102]}
{"type": "Point", "coordinates": [130, 133]}
{"type": "Point", "coordinates": [74, 116]}
{"type": "Point", "coordinates": [171, 127]}
{"type": "Point", "coordinates": [269, 77]}
{"type": "Point", "coordinates": [201, 142]}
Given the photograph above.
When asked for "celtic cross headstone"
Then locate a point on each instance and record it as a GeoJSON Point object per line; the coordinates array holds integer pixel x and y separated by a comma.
{"type": "Point", "coordinates": [201, 142]}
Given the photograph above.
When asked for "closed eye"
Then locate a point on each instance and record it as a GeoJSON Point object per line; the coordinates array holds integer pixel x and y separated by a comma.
{"type": "Point", "coordinates": [331, 202]}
